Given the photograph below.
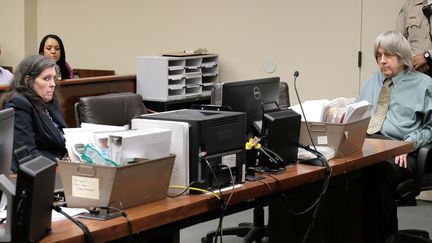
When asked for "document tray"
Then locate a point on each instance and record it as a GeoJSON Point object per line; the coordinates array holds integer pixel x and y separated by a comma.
{"type": "Point", "coordinates": [131, 184]}
{"type": "Point", "coordinates": [343, 138]}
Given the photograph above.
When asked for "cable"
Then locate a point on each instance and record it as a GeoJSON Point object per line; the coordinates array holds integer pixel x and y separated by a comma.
{"type": "Point", "coordinates": [184, 191]}
{"type": "Point", "coordinates": [124, 214]}
{"type": "Point", "coordinates": [225, 205]}
{"type": "Point", "coordinates": [87, 235]}
{"type": "Point", "coordinates": [219, 228]}
{"type": "Point", "coordinates": [268, 186]}
{"type": "Point", "coordinates": [328, 169]}
{"type": "Point", "coordinates": [278, 183]}
{"type": "Point", "coordinates": [232, 183]}
{"type": "Point", "coordinates": [197, 189]}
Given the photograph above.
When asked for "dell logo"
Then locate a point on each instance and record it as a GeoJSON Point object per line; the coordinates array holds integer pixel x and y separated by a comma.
{"type": "Point", "coordinates": [256, 93]}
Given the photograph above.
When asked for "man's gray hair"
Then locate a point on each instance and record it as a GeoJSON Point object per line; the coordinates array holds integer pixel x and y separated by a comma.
{"type": "Point", "coordinates": [394, 43]}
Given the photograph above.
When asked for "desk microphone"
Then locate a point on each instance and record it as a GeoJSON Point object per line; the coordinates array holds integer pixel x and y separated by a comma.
{"type": "Point", "coordinates": [320, 160]}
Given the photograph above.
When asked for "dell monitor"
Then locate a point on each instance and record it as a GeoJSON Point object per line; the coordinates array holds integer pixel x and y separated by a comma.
{"type": "Point", "coordinates": [248, 96]}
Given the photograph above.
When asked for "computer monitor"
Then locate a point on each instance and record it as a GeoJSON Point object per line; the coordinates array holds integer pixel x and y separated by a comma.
{"type": "Point", "coordinates": [6, 140]}
{"type": "Point", "coordinates": [248, 96]}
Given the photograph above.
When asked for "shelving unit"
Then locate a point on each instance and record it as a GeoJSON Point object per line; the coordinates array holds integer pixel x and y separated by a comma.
{"type": "Point", "coordinates": [166, 78]}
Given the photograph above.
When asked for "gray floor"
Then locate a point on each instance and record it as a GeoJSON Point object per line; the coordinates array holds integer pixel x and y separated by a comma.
{"type": "Point", "coordinates": [416, 217]}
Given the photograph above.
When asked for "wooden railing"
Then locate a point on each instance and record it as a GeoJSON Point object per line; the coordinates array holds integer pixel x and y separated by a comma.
{"type": "Point", "coordinates": [87, 73]}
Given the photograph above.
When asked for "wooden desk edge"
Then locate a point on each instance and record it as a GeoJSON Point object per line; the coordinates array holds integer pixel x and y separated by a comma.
{"type": "Point", "coordinates": [171, 210]}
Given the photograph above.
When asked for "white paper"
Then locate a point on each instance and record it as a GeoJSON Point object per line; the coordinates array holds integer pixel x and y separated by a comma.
{"type": "Point", "coordinates": [69, 211]}
{"type": "Point", "coordinates": [313, 109]}
{"type": "Point", "coordinates": [179, 147]}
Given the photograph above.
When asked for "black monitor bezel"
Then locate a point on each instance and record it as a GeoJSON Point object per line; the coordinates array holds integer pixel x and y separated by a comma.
{"type": "Point", "coordinates": [255, 114]}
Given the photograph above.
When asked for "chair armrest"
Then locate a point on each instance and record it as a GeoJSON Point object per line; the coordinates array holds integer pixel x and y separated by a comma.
{"type": "Point", "coordinates": [424, 155]}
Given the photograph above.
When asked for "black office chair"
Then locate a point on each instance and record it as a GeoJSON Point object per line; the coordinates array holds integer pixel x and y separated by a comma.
{"type": "Point", "coordinates": [115, 109]}
{"type": "Point", "coordinates": [410, 236]}
{"type": "Point", "coordinates": [409, 189]}
{"type": "Point", "coordinates": [257, 230]}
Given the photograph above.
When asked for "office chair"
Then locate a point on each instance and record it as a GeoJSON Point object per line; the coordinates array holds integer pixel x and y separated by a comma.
{"type": "Point", "coordinates": [256, 230]}
{"type": "Point", "coordinates": [284, 101]}
{"type": "Point", "coordinates": [115, 109]}
{"type": "Point", "coordinates": [410, 236]}
{"type": "Point", "coordinates": [409, 189]}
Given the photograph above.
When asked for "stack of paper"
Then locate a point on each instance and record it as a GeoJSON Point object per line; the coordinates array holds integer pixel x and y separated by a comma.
{"type": "Point", "coordinates": [357, 111]}
{"type": "Point", "coordinates": [339, 110]}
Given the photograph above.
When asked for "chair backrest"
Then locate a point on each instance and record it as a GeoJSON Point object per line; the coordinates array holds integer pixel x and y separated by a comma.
{"type": "Point", "coordinates": [116, 109]}
{"type": "Point", "coordinates": [284, 101]}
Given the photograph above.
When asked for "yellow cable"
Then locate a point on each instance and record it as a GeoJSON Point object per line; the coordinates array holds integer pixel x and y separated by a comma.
{"type": "Point", "coordinates": [196, 189]}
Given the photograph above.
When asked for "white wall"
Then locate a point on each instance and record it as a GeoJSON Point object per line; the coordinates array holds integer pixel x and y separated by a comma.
{"type": "Point", "coordinates": [12, 34]}
{"type": "Point", "coordinates": [378, 16]}
{"type": "Point", "coordinates": [318, 38]}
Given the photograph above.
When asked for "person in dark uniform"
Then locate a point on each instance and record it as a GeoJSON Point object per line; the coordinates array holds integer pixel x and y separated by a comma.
{"type": "Point", "coordinates": [414, 22]}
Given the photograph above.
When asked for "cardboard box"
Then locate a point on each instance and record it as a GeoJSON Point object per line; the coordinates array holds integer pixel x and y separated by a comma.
{"type": "Point", "coordinates": [343, 138]}
{"type": "Point", "coordinates": [131, 184]}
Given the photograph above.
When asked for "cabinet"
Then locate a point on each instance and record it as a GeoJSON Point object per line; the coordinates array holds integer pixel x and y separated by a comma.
{"type": "Point", "coordinates": [163, 78]}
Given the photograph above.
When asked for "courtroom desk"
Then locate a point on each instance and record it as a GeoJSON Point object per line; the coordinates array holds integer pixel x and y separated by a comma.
{"type": "Point", "coordinates": [189, 209]}
{"type": "Point", "coordinates": [71, 90]}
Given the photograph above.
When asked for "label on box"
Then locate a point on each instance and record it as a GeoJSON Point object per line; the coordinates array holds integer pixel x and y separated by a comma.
{"type": "Point", "coordinates": [322, 139]}
{"type": "Point", "coordinates": [229, 160]}
{"type": "Point", "coordinates": [85, 187]}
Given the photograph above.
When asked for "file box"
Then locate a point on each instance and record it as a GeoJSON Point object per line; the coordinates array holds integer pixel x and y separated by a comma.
{"type": "Point", "coordinates": [343, 138]}
{"type": "Point", "coordinates": [131, 184]}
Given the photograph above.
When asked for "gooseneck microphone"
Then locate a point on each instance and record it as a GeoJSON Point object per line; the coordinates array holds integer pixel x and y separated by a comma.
{"type": "Point", "coordinates": [320, 160]}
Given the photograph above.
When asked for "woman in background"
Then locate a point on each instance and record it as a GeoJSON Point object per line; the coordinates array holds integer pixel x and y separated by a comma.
{"type": "Point", "coordinates": [51, 46]}
{"type": "Point", "coordinates": [38, 121]}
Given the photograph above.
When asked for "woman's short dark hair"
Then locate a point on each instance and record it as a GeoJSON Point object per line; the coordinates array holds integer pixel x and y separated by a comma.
{"type": "Point", "coordinates": [24, 76]}
{"type": "Point", "coordinates": [64, 71]}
